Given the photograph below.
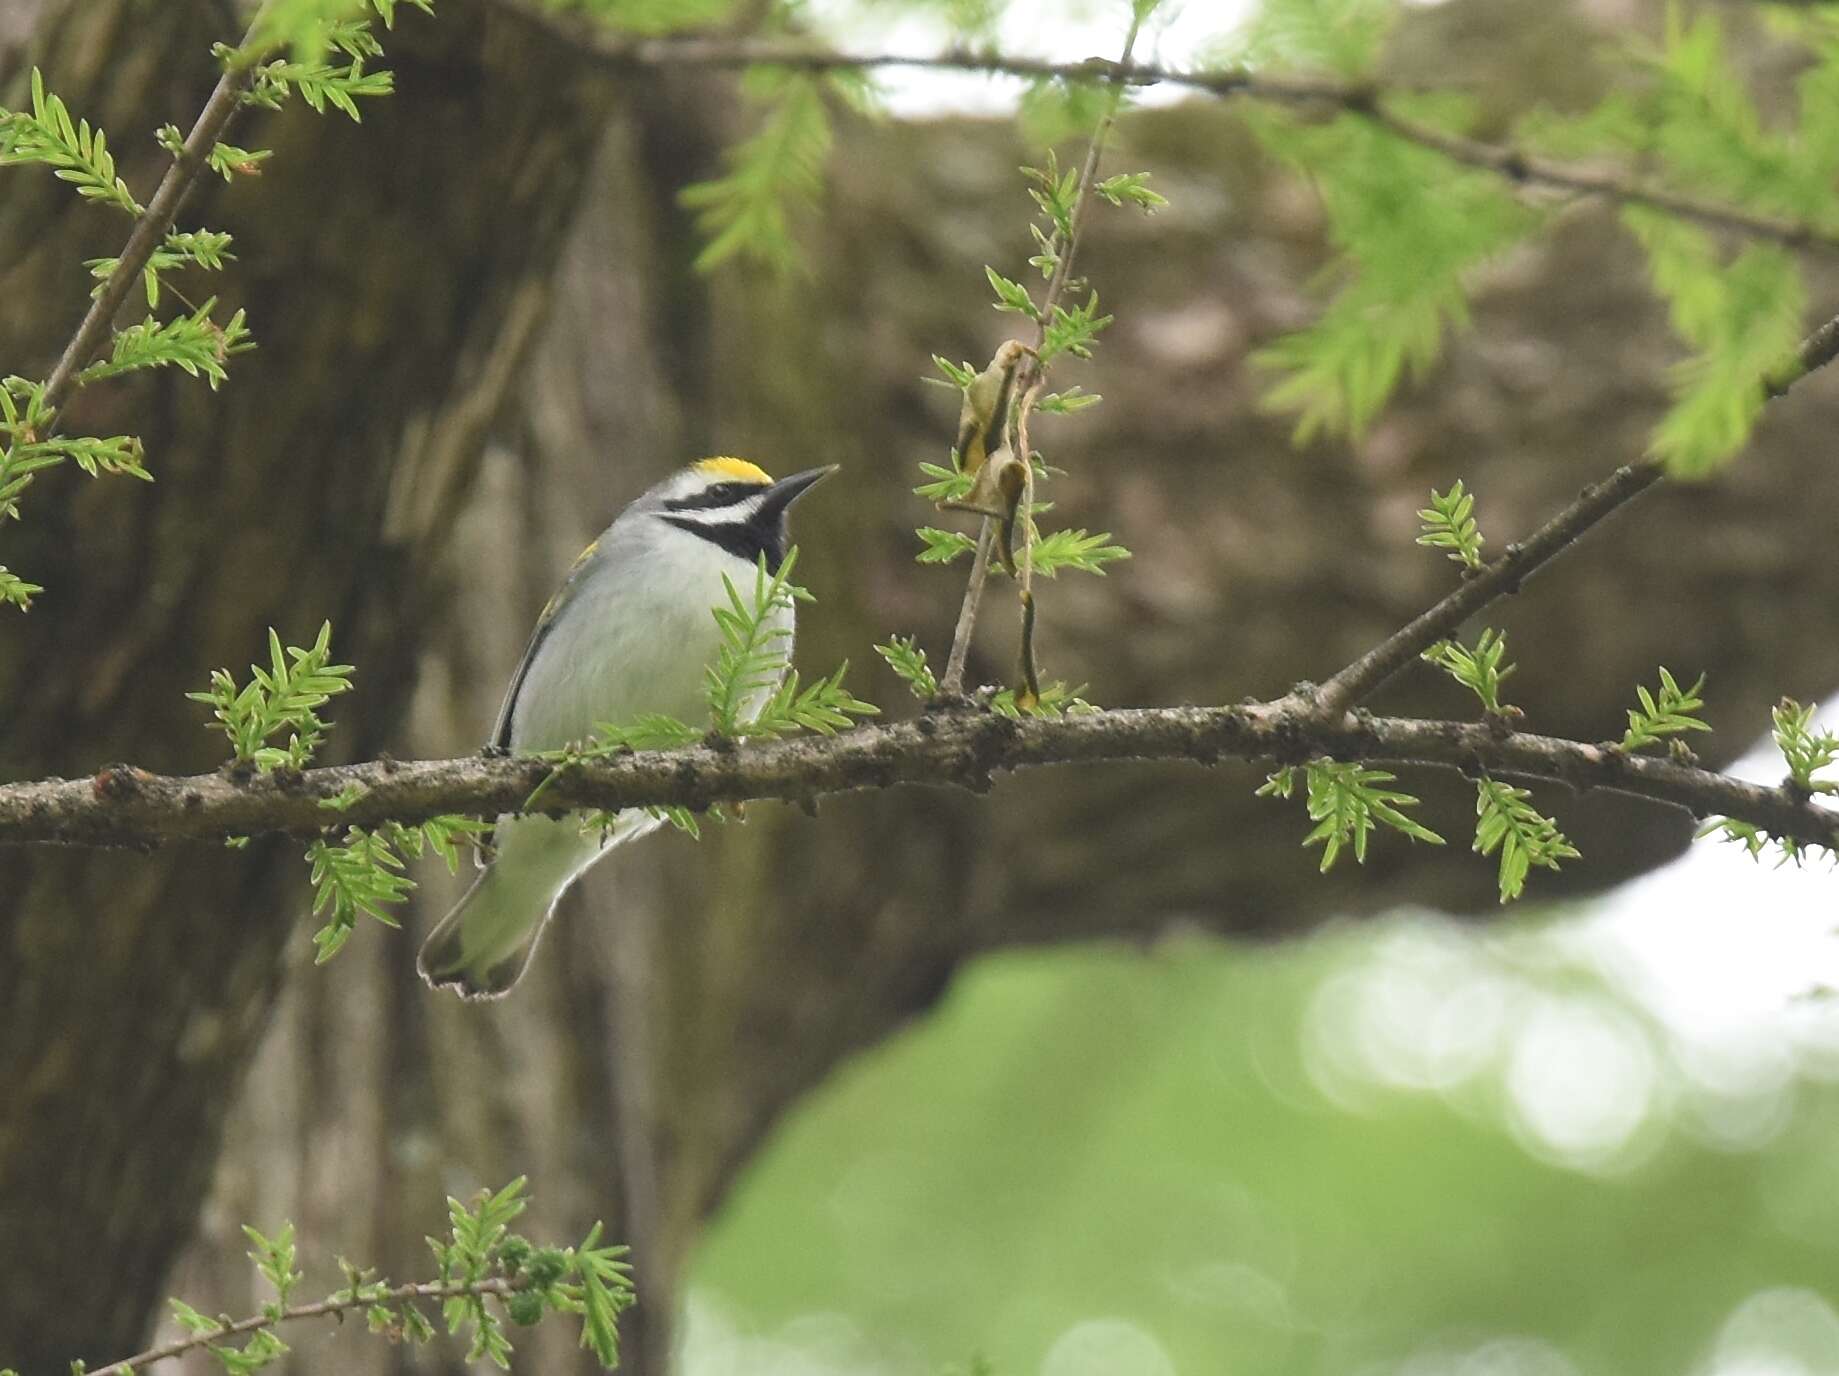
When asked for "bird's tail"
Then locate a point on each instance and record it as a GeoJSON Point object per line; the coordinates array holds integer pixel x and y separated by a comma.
{"type": "Point", "coordinates": [480, 949]}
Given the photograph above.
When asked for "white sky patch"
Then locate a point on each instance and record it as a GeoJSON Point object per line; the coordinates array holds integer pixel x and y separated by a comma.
{"type": "Point", "coordinates": [1052, 30]}
{"type": "Point", "coordinates": [1725, 951]}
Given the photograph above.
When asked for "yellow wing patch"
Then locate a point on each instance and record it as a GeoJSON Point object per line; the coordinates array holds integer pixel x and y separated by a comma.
{"type": "Point", "coordinates": [555, 603]}
{"type": "Point", "coordinates": [738, 469]}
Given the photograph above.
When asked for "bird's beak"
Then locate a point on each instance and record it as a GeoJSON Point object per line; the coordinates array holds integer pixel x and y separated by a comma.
{"type": "Point", "coordinates": [788, 490]}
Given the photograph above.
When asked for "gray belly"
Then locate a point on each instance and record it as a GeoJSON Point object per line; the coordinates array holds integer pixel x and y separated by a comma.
{"type": "Point", "coordinates": [618, 661]}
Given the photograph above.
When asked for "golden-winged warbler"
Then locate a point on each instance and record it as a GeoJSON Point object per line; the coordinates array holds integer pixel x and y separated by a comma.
{"type": "Point", "coordinates": [630, 633]}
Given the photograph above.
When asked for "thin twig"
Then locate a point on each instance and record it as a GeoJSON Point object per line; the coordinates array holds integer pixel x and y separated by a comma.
{"type": "Point", "coordinates": [1028, 691]}
{"type": "Point", "coordinates": [1082, 202]}
{"type": "Point", "coordinates": [151, 229]}
{"type": "Point", "coordinates": [1816, 351]}
{"type": "Point", "coordinates": [1519, 166]}
{"type": "Point", "coordinates": [334, 1306]}
{"type": "Point", "coordinates": [1360, 679]}
{"type": "Point", "coordinates": [624, 53]}
{"type": "Point", "coordinates": [125, 807]}
{"type": "Point", "coordinates": [952, 685]}
{"type": "Point", "coordinates": [1031, 372]}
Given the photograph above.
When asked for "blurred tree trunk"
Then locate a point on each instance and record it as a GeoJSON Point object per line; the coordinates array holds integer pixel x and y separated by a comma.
{"type": "Point", "coordinates": [394, 274]}
{"type": "Point", "coordinates": [421, 482]}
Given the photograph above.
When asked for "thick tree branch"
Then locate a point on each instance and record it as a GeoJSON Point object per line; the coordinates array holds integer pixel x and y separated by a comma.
{"type": "Point", "coordinates": [622, 52]}
{"type": "Point", "coordinates": [121, 806]}
{"type": "Point", "coordinates": [334, 1307]}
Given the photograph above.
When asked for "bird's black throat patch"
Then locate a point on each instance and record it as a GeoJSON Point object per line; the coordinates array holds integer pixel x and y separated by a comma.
{"type": "Point", "coordinates": [745, 540]}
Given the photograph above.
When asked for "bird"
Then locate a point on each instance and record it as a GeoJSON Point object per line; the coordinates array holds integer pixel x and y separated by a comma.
{"type": "Point", "coordinates": [630, 633]}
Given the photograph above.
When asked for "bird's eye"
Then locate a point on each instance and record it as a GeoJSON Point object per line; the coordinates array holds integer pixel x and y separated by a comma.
{"type": "Point", "coordinates": [714, 496]}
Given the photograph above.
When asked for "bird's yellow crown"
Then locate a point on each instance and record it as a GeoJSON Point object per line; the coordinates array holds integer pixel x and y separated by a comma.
{"type": "Point", "coordinates": [735, 469]}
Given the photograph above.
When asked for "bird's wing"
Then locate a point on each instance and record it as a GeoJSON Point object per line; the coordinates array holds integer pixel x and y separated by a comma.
{"type": "Point", "coordinates": [501, 729]}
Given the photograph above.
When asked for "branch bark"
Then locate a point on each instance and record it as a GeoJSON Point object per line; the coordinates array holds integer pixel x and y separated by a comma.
{"type": "Point", "coordinates": [125, 807]}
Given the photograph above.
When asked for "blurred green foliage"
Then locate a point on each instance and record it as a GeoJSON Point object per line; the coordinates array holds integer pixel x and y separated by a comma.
{"type": "Point", "coordinates": [1398, 1146]}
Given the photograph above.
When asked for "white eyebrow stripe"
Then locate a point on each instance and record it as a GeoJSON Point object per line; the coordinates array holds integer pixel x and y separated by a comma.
{"type": "Point", "coordinates": [735, 513]}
